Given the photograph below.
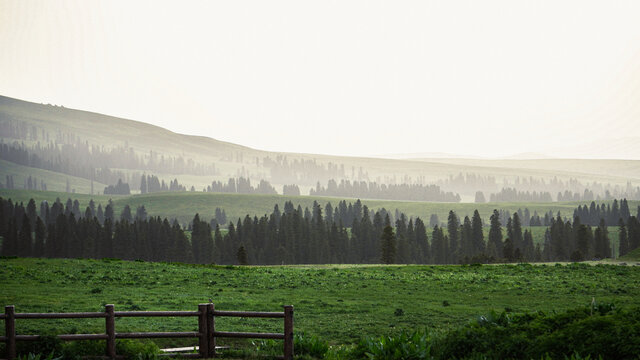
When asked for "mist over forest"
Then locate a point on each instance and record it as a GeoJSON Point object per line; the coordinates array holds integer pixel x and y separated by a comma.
{"type": "Point", "coordinates": [424, 180]}
{"type": "Point", "coordinates": [83, 147]}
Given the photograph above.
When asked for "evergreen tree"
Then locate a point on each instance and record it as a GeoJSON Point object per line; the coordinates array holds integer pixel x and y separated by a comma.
{"type": "Point", "coordinates": [495, 236]}
{"type": "Point", "coordinates": [602, 243]}
{"type": "Point", "coordinates": [388, 245]}
{"type": "Point", "coordinates": [92, 208]}
{"type": "Point", "coordinates": [466, 239]}
{"type": "Point", "coordinates": [508, 250]}
{"type": "Point", "coordinates": [517, 238]}
{"type": "Point", "coordinates": [623, 238]}
{"type": "Point", "coordinates": [50, 244]}
{"type": "Point", "coordinates": [126, 214]}
{"type": "Point", "coordinates": [422, 241]}
{"type": "Point", "coordinates": [476, 233]}
{"type": "Point", "coordinates": [31, 213]}
{"type": "Point", "coordinates": [453, 228]}
{"type": "Point", "coordinates": [143, 184]}
{"type": "Point", "coordinates": [40, 231]}
{"type": "Point", "coordinates": [438, 246]}
{"type": "Point", "coordinates": [10, 241]}
{"type": "Point", "coordinates": [633, 229]}
{"type": "Point", "coordinates": [401, 240]}
{"type": "Point", "coordinates": [527, 246]}
{"type": "Point", "coordinates": [480, 197]}
{"type": "Point", "coordinates": [141, 213]}
{"type": "Point", "coordinates": [25, 240]}
{"type": "Point", "coordinates": [583, 241]}
{"type": "Point", "coordinates": [100, 214]}
{"type": "Point", "coordinates": [108, 212]}
{"type": "Point", "coordinates": [241, 256]}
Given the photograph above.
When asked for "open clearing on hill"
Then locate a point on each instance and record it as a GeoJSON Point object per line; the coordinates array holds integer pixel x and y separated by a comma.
{"type": "Point", "coordinates": [184, 205]}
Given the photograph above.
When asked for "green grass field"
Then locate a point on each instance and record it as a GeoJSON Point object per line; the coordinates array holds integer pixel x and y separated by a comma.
{"type": "Point", "coordinates": [339, 303]}
{"type": "Point", "coordinates": [55, 181]}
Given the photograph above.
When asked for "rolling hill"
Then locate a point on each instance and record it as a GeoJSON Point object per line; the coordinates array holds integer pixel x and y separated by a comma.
{"type": "Point", "coordinates": [30, 123]}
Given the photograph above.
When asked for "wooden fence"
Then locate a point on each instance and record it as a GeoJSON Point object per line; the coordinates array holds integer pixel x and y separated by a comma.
{"type": "Point", "coordinates": [206, 333]}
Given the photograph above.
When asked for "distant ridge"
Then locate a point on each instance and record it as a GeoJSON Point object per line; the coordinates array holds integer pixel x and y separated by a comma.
{"type": "Point", "coordinates": [233, 160]}
{"type": "Point", "coordinates": [94, 127]}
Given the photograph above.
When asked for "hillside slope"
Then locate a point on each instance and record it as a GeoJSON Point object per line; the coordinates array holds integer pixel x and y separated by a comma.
{"type": "Point", "coordinates": [44, 123]}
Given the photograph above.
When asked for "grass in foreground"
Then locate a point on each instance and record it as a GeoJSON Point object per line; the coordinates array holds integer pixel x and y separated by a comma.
{"type": "Point", "coordinates": [338, 303]}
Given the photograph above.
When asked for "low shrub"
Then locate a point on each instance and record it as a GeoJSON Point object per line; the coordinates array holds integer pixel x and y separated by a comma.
{"type": "Point", "coordinates": [406, 345]}
{"type": "Point", "coordinates": [600, 331]}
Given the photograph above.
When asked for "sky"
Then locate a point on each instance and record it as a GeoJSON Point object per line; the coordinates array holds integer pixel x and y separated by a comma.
{"type": "Point", "coordinates": [480, 78]}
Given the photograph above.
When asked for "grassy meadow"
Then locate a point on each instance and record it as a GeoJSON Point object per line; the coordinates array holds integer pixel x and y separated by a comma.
{"type": "Point", "coordinates": [56, 182]}
{"type": "Point", "coordinates": [184, 205]}
{"type": "Point", "coordinates": [339, 303]}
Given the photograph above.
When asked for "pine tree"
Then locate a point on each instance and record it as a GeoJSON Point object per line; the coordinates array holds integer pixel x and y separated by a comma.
{"type": "Point", "coordinates": [126, 214]}
{"type": "Point", "coordinates": [241, 256]}
{"type": "Point", "coordinates": [623, 238]}
{"type": "Point", "coordinates": [495, 236]}
{"type": "Point", "coordinates": [38, 249]}
{"type": "Point", "coordinates": [24, 239]}
{"type": "Point", "coordinates": [453, 228]}
{"type": "Point", "coordinates": [583, 240]}
{"type": "Point", "coordinates": [108, 212]}
{"type": "Point", "coordinates": [422, 241]}
{"type": "Point", "coordinates": [31, 213]}
{"type": "Point", "coordinates": [476, 233]}
{"type": "Point", "coordinates": [401, 240]}
{"type": "Point", "coordinates": [10, 241]}
{"type": "Point", "coordinates": [480, 197]}
{"type": "Point", "coordinates": [508, 250]}
{"type": "Point", "coordinates": [388, 246]}
{"type": "Point", "coordinates": [517, 238]}
{"type": "Point", "coordinates": [100, 214]}
{"type": "Point", "coordinates": [527, 247]}
{"type": "Point", "coordinates": [602, 243]}
{"type": "Point", "coordinates": [633, 229]}
{"type": "Point", "coordinates": [141, 213]}
{"type": "Point", "coordinates": [438, 246]}
{"type": "Point", "coordinates": [143, 184]}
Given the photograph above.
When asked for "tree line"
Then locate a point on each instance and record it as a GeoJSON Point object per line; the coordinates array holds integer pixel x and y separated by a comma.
{"type": "Point", "coordinates": [610, 213]}
{"type": "Point", "coordinates": [373, 190]}
{"type": "Point", "coordinates": [241, 185]}
{"type": "Point", "coordinates": [513, 195]}
{"type": "Point", "coordinates": [30, 183]}
{"type": "Point", "coordinates": [152, 184]}
{"type": "Point", "coordinates": [348, 233]}
{"type": "Point", "coordinates": [83, 160]}
{"type": "Point", "coordinates": [302, 171]}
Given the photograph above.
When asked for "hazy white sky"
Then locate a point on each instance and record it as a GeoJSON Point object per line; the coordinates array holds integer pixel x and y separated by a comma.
{"type": "Point", "coordinates": [487, 78]}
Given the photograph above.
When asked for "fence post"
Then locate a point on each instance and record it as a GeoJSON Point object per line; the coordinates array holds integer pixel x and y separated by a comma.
{"type": "Point", "coordinates": [10, 330]}
{"type": "Point", "coordinates": [111, 331]}
{"type": "Point", "coordinates": [288, 332]}
{"type": "Point", "coordinates": [202, 329]}
{"type": "Point", "coordinates": [211, 328]}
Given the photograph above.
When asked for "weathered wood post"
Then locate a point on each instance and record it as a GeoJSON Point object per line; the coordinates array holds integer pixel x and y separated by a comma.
{"type": "Point", "coordinates": [211, 328]}
{"type": "Point", "coordinates": [111, 331]}
{"type": "Point", "coordinates": [10, 330]}
{"type": "Point", "coordinates": [202, 329]}
{"type": "Point", "coordinates": [288, 332]}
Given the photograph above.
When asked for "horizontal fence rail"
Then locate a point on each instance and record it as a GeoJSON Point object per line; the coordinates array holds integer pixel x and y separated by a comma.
{"type": "Point", "coordinates": [206, 333]}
